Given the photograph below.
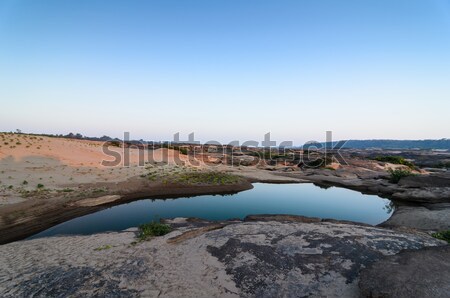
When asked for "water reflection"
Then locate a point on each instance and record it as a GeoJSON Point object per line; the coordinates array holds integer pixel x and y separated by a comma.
{"type": "Point", "coordinates": [297, 199]}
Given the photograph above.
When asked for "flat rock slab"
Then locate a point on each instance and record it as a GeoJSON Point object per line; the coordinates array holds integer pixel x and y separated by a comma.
{"type": "Point", "coordinates": [246, 259]}
{"type": "Point", "coordinates": [96, 201]}
{"type": "Point", "coordinates": [423, 273]}
{"type": "Point", "coordinates": [436, 217]}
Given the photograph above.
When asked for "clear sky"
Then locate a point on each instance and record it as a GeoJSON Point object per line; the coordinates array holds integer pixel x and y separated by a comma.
{"type": "Point", "coordinates": [227, 70]}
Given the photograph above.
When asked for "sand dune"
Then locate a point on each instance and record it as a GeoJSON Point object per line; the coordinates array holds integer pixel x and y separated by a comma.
{"type": "Point", "coordinates": [27, 161]}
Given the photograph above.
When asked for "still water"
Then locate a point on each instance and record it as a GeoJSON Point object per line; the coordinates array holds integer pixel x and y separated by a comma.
{"type": "Point", "coordinates": [297, 199]}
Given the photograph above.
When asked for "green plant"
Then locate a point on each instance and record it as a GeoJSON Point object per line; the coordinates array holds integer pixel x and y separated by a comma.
{"type": "Point", "coordinates": [114, 143]}
{"type": "Point", "coordinates": [210, 177]}
{"type": "Point", "coordinates": [153, 229]}
{"type": "Point", "coordinates": [397, 174]}
{"type": "Point", "coordinates": [319, 162]}
{"type": "Point", "coordinates": [25, 182]}
{"type": "Point", "coordinates": [40, 186]}
{"type": "Point", "coordinates": [98, 190]}
{"type": "Point", "coordinates": [183, 151]}
{"type": "Point", "coordinates": [442, 235]}
{"type": "Point", "coordinates": [398, 160]}
{"type": "Point", "coordinates": [104, 247]}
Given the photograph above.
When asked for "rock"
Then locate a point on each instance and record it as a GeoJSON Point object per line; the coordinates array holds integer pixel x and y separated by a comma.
{"type": "Point", "coordinates": [425, 181]}
{"type": "Point", "coordinates": [96, 201]}
{"type": "Point", "coordinates": [424, 195]}
{"type": "Point", "coordinates": [281, 218]}
{"type": "Point", "coordinates": [275, 258]}
{"type": "Point", "coordinates": [422, 273]}
{"type": "Point", "coordinates": [432, 217]}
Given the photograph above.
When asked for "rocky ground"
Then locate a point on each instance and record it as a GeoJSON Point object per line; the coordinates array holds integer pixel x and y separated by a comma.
{"type": "Point", "coordinates": [261, 257]}
{"type": "Point", "coordinates": [422, 201]}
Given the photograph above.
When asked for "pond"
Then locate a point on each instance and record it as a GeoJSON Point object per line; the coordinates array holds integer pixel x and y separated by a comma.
{"type": "Point", "coordinates": [297, 199]}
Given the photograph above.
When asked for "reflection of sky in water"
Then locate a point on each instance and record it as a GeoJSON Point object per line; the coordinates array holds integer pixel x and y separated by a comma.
{"type": "Point", "coordinates": [298, 199]}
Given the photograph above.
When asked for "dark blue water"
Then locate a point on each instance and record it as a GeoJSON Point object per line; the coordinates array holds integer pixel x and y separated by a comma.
{"type": "Point", "coordinates": [298, 199]}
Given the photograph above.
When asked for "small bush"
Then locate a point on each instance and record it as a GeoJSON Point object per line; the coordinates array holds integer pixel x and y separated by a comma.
{"type": "Point", "coordinates": [443, 235]}
{"type": "Point", "coordinates": [183, 151]}
{"type": "Point", "coordinates": [398, 174]}
{"type": "Point", "coordinates": [25, 182]}
{"type": "Point", "coordinates": [114, 143]}
{"type": "Point", "coordinates": [398, 160]}
{"type": "Point", "coordinates": [319, 162]}
{"type": "Point", "coordinates": [40, 186]}
{"type": "Point", "coordinates": [153, 229]}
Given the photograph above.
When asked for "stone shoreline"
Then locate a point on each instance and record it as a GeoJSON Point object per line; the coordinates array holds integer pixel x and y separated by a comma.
{"type": "Point", "coordinates": [273, 256]}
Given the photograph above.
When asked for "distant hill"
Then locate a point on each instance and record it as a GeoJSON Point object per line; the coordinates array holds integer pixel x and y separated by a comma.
{"type": "Point", "coordinates": [391, 144]}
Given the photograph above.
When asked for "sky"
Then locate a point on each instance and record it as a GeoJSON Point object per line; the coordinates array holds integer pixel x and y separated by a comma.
{"type": "Point", "coordinates": [227, 70]}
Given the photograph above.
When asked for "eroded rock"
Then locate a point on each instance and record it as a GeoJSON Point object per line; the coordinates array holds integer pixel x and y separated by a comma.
{"type": "Point", "coordinates": [246, 259]}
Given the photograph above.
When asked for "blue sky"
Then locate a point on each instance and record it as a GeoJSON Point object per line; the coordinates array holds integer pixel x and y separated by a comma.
{"type": "Point", "coordinates": [227, 70]}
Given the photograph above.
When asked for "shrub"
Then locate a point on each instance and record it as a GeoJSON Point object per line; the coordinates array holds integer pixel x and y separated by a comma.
{"type": "Point", "coordinates": [115, 143]}
{"type": "Point", "coordinates": [40, 186]}
{"type": "Point", "coordinates": [320, 162]}
{"type": "Point", "coordinates": [183, 151]}
{"type": "Point", "coordinates": [398, 174]}
{"type": "Point", "coordinates": [153, 229]}
{"type": "Point", "coordinates": [25, 182]}
{"type": "Point", "coordinates": [443, 235]}
{"type": "Point", "coordinates": [398, 160]}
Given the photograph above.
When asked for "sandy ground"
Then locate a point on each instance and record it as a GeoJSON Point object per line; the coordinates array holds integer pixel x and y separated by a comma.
{"type": "Point", "coordinates": [56, 163]}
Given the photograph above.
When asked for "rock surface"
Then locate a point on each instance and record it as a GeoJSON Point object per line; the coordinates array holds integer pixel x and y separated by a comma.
{"type": "Point", "coordinates": [429, 217]}
{"type": "Point", "coordinates": [247, 259]}
{"type": "Point", "coordinates": [424, 273]}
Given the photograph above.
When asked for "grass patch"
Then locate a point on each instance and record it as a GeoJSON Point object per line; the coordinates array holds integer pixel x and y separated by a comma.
{"type": "Point", "coordinates": [398, 160]}
{"type": "Point", "coordinates": [153, 229]}
{"type": "Point", "coordinates": [189, 176]}
{"type": "Point", "coordinates": [104, 247]}
{"type": "Point", "coordinates": [216, 178]}
{"type": "Point", "coordinates": [98, 190]}
{"type": "Point", "coordinates": [398, 174]}
{"type": "Point", "coordinates": [443, 235]}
